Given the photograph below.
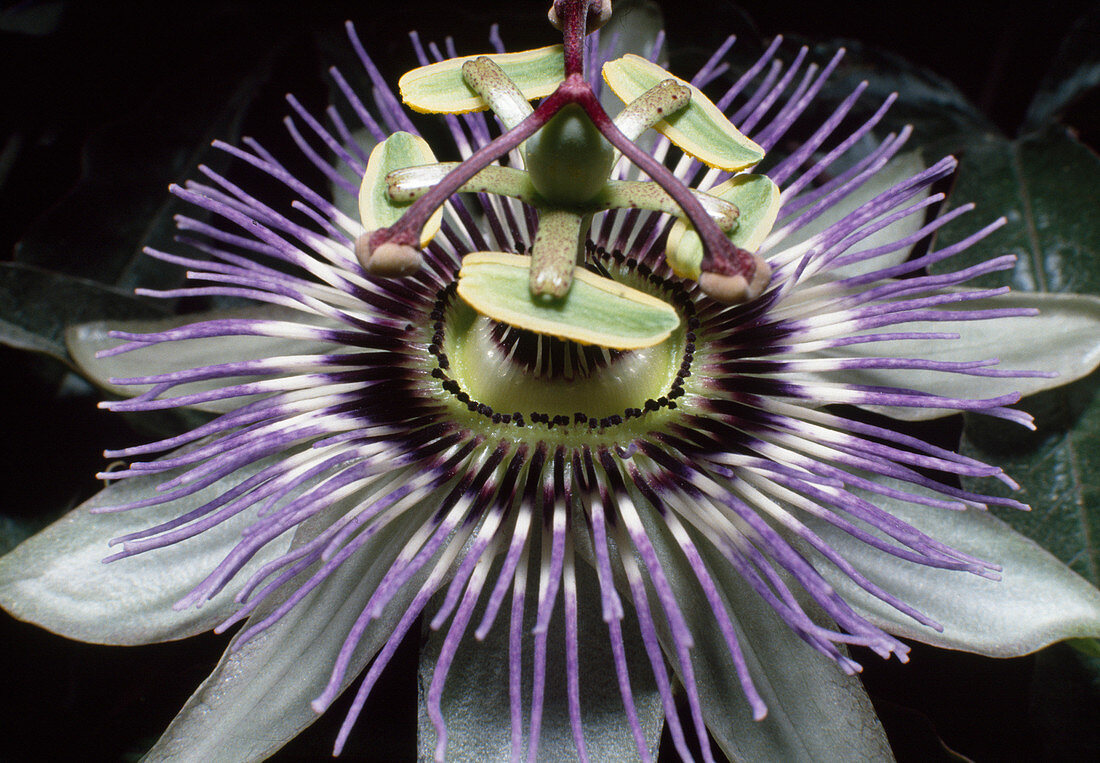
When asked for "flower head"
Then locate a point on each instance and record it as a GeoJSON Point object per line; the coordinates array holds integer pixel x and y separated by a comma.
{"type": "Point", "coordinates": [539, 412]}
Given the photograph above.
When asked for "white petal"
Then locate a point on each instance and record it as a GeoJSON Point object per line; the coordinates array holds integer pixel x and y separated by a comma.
{"type": "Point", "coordinates": [57, 579]}
{"type": "Point", "coordinates": [900, 168]}
{"type": "Point", "coordinates": [1063, 338]}
{"type": "Point", "coordinates": [85, 340]}
{"type": "Point", "coordinates": [815, 710]}
{"type": "Point", "coordinates": [1038, 601]}
{"type": "Point", "coordinates": [257, 699]}
{"type": "Point", "coordinates": [475, 698]}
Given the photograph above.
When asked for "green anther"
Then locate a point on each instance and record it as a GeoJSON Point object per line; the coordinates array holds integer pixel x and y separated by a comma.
{"type": "Point", "coordinates": [568, 159]}
{"type": "Point", "coordinates": [599, 310]}
{"type": "Point", "coordinates": [700, 129]}
{"type": "Point", "coordinates": [631, 194]}
{"type": "Point", "coordinates": [442, 87]}
{"type": "Point", "coordinates": [756, 196]}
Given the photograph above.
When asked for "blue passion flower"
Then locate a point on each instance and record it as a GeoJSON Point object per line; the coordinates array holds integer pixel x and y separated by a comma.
{"type": "Point", "coordinates": [408, 427]}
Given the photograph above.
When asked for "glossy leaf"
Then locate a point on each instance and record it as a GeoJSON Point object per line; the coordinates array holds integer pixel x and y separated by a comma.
{"type": "Point", "coordinates": [700, 129]}
{"type": "Point", "coordinates": [596, 311]}
{"type": "Point", "coordinates": [757, 199]}
{"type": "Point", "coordinates": [1048, 182]}
{"type": "Point", "coordinates": [441, 87]}
{"type": "Point", "coordinates": [36, 306]}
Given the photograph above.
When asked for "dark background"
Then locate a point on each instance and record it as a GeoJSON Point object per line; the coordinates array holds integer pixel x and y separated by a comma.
{"type": "Point", "coordinates": [106, 66]}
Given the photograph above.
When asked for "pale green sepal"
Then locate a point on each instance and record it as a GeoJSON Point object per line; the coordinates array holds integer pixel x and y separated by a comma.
{"type": "Point", "coordinates": [792, 244]}
{"type": "Point", "coordinates": [757, 199]}
{"type": "Point", "coordinates": [441, 88]}
{"type": "Point", "coordinates": [596, 311]}
{"type": "Point", "coordinates": [475, 700]}
{"type": "Point", "coordinates": [85, 340]}
{"type": "Point", "coordinates": [57, 578]}
{"type": "Point", "coordinates": [258, 698]}
{"type": "Point", "coordinates": [1037, 602]}
{"type": "Point", "coordinates": [815, 711]}
{"type": "Point", "coordinates": [1064, 338]}
{"type": "Point", "coordinates": [376, 208]}
{"type": "Point", "coordinates": [699, 129]}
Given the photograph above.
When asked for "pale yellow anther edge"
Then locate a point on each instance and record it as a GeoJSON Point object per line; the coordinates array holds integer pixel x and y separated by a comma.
{"type": "Point", "coordinates": [699, 129]}
{"type": "Point", "coordinates": [376, 209]}
{"type": "Point", "coordinates": [757, 198]}
{"type": "Point", "coordinates": [495, 285]}
{"type": "Point", "coordinates": [441, 88]}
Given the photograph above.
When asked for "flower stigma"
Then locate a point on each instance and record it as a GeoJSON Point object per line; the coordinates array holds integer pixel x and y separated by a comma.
{"type": "Point", "coordinates": [570, 151]}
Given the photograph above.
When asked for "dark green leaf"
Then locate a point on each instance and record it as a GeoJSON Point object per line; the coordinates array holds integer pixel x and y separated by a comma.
{"type": "Point", "coordinates": [15, 531]}
{"type": "Point", "coordinates": [1047, 185]}
{"type": "Point", "coordinates": [121, 203]}
{"type": "Point", "coordinates": [1056, 467]}
{"type": "Point", "coordinates": [1074, 72]}
{"type": "Point", "coordinates": [36, 306]}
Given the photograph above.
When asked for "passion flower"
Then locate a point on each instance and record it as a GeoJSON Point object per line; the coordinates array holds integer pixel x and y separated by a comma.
{"type": "Point", "coordinates": [541, 401]}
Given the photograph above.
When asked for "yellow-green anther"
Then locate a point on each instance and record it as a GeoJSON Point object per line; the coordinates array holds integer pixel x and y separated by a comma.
{"type": "Point", "coordinates": [410, 184]}
{"type": "Point", "coordinates": [598, 310]}
{"type": "Point", "coordinates": [441, 88]}
{"type": "Point", "coordinates": [498, 91]}
{"type": "Point", "coordinates": [757, 198]}
{"type": "Point", "coordinates": [377, 208]}
{"type": "Point", "coordinates": [630, 194]}
{"type": "Point", "coordinates": [557, 250]}
{"type": "Point", "coordinates": [655, 104]}
{"type": "Point", "coordinates": [699, 129]}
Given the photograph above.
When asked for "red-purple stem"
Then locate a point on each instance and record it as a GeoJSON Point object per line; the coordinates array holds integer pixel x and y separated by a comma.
{"type": "Point", "coordinates": [574, 16]}
{"type": "Point", "coordinates": [407, 229]}
{"type": "Point", "coordinates": [719, 256]}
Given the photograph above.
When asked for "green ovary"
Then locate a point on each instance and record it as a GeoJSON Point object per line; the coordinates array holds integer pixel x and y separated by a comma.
{"type": "Point", "coordinates": [483, 368]}
{"type": "Point", "coordinates": [568, 160]}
